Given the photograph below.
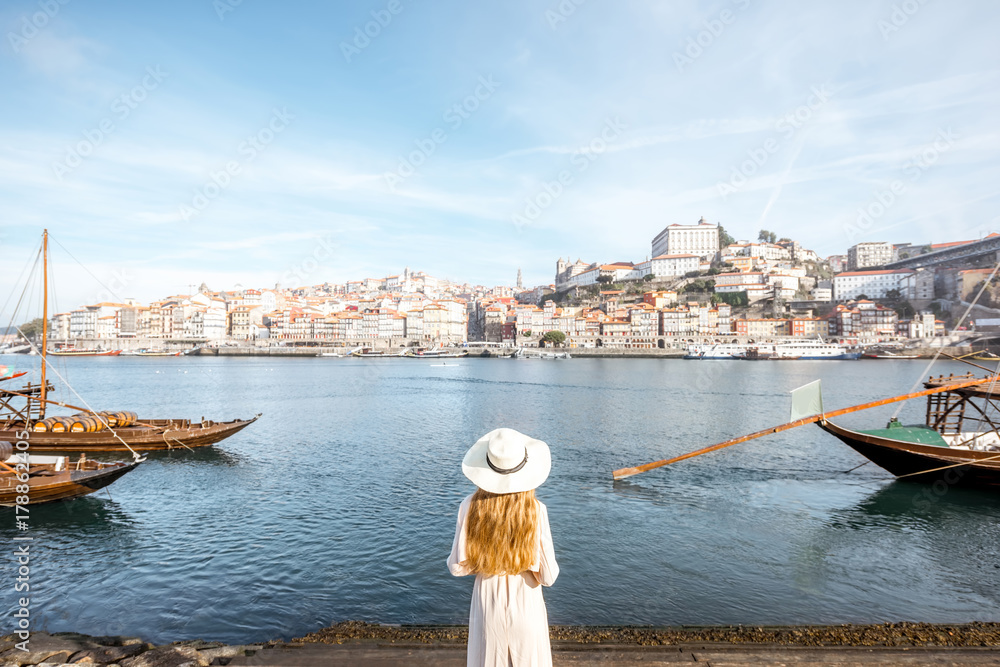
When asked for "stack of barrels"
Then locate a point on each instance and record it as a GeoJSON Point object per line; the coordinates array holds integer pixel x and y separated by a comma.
{"type": "Point", "coordinates": [84, 422]}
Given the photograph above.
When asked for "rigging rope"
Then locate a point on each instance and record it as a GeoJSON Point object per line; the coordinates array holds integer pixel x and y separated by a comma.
{"type": "Point", "coordinates": [135, 456]}
{"type": "Point", "coordinates": [38, 254]}
{"type": "Point", "coordinates": [972, 304]}
{"type": "Point", "coordinates": [110, 291]}
{"type": "Point", "coordinates": [954, 465]}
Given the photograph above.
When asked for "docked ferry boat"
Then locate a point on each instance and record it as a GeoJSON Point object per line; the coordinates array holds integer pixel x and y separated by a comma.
{"type": "Point", "coordinates": [806, 350]}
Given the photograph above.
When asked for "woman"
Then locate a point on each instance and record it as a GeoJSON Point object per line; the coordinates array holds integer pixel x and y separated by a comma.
{"type": "Point", "coordinates": [503, 538]}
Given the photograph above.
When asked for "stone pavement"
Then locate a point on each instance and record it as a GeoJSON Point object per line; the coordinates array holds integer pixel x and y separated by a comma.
{"type": "Point", "coordinates": [424, 655]}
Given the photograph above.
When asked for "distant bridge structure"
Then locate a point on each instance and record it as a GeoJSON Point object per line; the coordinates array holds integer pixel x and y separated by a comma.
{"type": "Point", "coordinates": [988, 247]}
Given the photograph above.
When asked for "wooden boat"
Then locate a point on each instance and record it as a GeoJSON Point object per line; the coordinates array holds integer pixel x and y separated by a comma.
{"type": "Point", "coordinates": [437, 353]}
{"type": "Point", "coordinates": [882, 353]}
{"type": "Point", "coordinates": [921, 453]}
{"type": "Point", "coordinates": [376, 354]}
{"type": "Point", "coordinates": [943, 449]}
{"type": "Point", "coordinates": [50, 478]}
{"type": "Point", "coordinates": [73, 352]}
{"type": "Point", "coordinates": [25, 410]}
{"type": "Point", "coordinates": [145, 435]}
{"type": "Point", "coordinates": [755, 354]}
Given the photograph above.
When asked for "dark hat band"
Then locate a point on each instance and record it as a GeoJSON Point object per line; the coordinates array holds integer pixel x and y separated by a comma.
{"type": "Point", "coordinates": [507, 471]}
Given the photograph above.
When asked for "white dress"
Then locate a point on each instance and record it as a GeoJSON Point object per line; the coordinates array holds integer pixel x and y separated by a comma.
{"type": "Point", "coordinates": [507, 620]}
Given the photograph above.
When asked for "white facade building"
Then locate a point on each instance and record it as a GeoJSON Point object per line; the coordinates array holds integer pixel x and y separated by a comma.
{"type": "Point", "coordinates": [850, 285]}
{"type": "Point", "coordinates": [701, 240]}
{"type": "Point", "coordinates": [673, 265]}
{"type": "Point", "coordinates": [870, 253]}
{"type": "Point", "coordinates": [738, 282]}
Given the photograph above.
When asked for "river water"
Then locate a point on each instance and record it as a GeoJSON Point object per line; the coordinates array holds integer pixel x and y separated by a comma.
{"type": "Point", "coordinates": [340, 502]}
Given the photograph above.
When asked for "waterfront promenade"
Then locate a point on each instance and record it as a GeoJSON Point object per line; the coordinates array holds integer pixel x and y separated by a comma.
{"type": "Point", "coordinates": [577, 352]}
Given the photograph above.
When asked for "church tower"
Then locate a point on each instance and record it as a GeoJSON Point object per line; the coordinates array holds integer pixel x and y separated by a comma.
{"type": "Point", "coordinates": [519, 285]}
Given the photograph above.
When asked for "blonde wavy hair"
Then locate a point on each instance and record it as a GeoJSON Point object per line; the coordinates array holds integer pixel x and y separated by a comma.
{"type": "Point", "coordinates": [502, 532]}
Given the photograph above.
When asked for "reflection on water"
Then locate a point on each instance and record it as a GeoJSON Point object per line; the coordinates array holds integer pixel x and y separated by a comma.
{"type": "Point", "coordinates": [196, 456]}
{"type": "Point", "coordinates": [340, 503]}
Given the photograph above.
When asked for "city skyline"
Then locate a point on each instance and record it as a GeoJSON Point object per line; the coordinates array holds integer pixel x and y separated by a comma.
{"type": "Point", "coordinates": [235, 144]}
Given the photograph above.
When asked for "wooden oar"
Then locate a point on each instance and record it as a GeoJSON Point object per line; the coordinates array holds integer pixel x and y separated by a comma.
{"type": "Point", "coordinates": [966, 361]}
{"type": "Point", "coordinates": [67, 405]}
{"type": "Point", "coordinates": [46, 400]}
{"type": "Point", "coordinates": [622, 473]}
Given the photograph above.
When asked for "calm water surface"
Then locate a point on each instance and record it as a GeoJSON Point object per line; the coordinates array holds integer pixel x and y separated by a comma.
{"type": "Point", "coordinates": [340, 502]}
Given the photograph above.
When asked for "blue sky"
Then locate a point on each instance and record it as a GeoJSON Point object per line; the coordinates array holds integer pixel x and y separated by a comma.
{"type": "Point", "coordinates": [253, 143]}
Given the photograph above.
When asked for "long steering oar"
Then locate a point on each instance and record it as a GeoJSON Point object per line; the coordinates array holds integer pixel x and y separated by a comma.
{"type": "Point", "coordinates": [622, 473]}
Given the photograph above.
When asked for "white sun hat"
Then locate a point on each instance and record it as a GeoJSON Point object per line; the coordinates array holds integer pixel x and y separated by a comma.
{"type": "Point", "coordinates": [506, 461]}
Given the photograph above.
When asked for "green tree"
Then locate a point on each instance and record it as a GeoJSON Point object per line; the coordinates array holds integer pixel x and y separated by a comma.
{"type": "Point", "coordinates": [735, 299]}
{"type": "Point", "coordinates": [32, 328]}
{"type": "Point", "coordinates": [649, 277]}
{"type": "Point", "coordinates": [725, 238]}
{"type": "Point", "coordinates": [905, 310]}
{"type": "Point", "coordinates": [555, 337]}
{"type": "Point", "coordinates": [605, 279]}
{"type": "Point", "coordinates": [700, 286]}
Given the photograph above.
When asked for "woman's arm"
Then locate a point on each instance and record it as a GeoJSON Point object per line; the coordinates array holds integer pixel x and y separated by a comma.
{"type": "Point", "coordinates": [456, 560]}
{"type": "Point", "coordinates": [548, 569]}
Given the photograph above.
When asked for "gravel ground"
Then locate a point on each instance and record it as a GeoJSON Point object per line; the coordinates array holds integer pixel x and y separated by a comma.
{"type": "Point", "coordinates": [887, 634]}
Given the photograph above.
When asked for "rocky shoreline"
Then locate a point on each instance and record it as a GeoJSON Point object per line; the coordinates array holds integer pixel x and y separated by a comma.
{"type": "Point", "coordinates": [70, 648]}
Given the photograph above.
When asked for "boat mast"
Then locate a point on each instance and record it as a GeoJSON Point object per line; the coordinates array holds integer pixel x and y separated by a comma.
{"type": "Point", "coordinates": [45, 318]}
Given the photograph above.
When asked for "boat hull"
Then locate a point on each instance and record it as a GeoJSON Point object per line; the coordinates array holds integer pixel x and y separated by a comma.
{"type": "Point", "coordinates": [63, 486]}
{"type": "Point", "coordinates": [968, 468]}
{"type": "Point", "coordinates": [84, 353]}
{"type": "Point", "coordinates": [148, 435]}
{"type": "Point", "coordinates": [847, 356]}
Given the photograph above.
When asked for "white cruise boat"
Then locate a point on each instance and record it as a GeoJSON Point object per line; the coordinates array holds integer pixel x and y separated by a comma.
{"type": "Point", "coordinates": [806, 349]}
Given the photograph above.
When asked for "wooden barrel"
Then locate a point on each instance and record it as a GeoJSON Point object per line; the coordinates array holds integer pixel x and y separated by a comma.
{"type": "Point", "coordinates": [126, 418]}
{"type": "Point", "coordinates": [42, 426]}
{"type": "Point", "coordinates": [80, 425]}
{"type": "Point", "coordinates": [110, 417]}
{"type": "Point", "coordinates": [60, 424]}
